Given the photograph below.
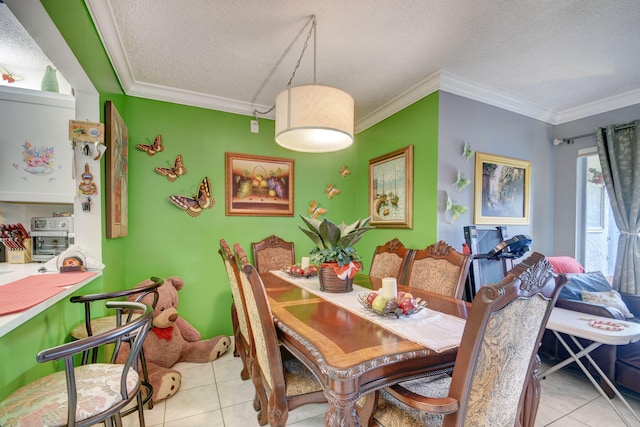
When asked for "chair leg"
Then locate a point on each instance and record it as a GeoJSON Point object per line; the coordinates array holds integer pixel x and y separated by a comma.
{"type": "Point", "coordinates": [145, 376]}
{"type": "Point", "coordinates": [140, 402]}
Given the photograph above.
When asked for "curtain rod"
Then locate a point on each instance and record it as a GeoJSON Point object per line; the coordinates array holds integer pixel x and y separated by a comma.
{"type": "Point", "coordinates": [559, 141]}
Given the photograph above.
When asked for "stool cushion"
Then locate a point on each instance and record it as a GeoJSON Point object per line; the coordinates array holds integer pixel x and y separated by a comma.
{"type": "Point", "coordinates": [98, 326]}
{"type": "Point", "coordinates": [44, 401]}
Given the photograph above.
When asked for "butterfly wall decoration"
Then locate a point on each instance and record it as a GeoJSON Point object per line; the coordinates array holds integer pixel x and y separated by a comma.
{"type": "Point", "coordinates": [193, 206]}
{"type": "Point", "coordinates": [9, 77]}
{"type": "Point", "coordinates": [152, 149]}
{"type": "Point", "coordinates": [467, 151]}
{"type": "Point", "coordinates": [461, 181]}
{"type": "Point", "coordinates": [177, 170]}
{"type": "Point", "coordinates": [316, 210]}
{"type": "Point", "coordinates": [455, 209]}
{"type": "Point", "coordinates": [344, 171]}
{"type": "Point", "coordinates": [331, 191]}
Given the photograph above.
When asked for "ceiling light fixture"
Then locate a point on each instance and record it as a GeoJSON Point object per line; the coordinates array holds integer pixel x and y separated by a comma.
{"type": "Point", "coordinates": [313, 118]}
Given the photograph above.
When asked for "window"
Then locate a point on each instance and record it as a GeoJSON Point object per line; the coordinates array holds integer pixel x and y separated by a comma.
{"type": "Point", "coordinates": [597, 230]}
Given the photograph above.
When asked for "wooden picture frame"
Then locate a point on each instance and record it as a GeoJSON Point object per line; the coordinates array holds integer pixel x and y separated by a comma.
{"type": "Point", "coordinates": [117, 160]}
{"type": "Point", "coordinates": [391, 189]}
{"type": "Point", "coordinates": [258, 185]}
{"type": "Point", "coordinates": [501, 190]}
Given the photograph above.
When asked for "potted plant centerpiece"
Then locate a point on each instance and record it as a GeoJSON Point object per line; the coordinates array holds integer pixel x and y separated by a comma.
{"type": "Point", "coordinates": [334, 254]}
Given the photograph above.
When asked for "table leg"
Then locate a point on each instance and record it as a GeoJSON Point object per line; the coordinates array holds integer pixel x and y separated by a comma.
{"type": "Point", "coordinates": [584, 352]}
{"type": "Point", "coordinates": [342, 409]}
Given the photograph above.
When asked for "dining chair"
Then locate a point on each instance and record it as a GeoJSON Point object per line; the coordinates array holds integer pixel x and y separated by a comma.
{"type": "Point", "coordinates": [390, 260]}
{"type": "Point", "coordinates": [282, 382]}
{"type": "Point", "coordinates": [273, 253]}
{"type": "Point", "coordinates": [238, 316]}
{"type": "Point", "coordinates": [97, 325]}
{"type": "Point", "coordinates": [495, 369]}
{"type": "Point", "coordinates": [85, 395]}
{"type": "Point", "coordinates": [438, 268]}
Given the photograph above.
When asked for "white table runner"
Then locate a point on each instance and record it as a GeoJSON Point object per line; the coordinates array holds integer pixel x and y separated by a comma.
{"type": "Point", "coordinates": [432, 329]}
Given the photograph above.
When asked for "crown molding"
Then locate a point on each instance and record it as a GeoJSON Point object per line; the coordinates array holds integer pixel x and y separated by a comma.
{"type": "Point", "coordinates": [196, 99]}
{"type": "Point", "coordinates": [400, 102]}
{"type": "Point", "coordinates": [597, 107]}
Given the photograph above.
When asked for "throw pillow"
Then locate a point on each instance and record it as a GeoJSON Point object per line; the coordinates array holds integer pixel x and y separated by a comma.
{"type": "Point", "coordinates": [591, 282]}
{"type": "Point", "coordinates": [565, 264]}
{"type": "Point", "coordinates": [611, 298]}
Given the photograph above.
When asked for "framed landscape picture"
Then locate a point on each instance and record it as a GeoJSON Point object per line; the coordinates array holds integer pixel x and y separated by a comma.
{"type": "Point", "coordinates": [391, 189]}
{"type": "Point", "coordinates": [501, 190]}
{"type": "Point", "coordinates": [117, 161]}
{"type": "Point", "coordinates": [258, 185]}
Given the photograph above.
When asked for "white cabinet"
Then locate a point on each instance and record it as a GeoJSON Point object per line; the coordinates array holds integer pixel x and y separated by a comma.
{"type": "Point", "coordinates": [36, 158]}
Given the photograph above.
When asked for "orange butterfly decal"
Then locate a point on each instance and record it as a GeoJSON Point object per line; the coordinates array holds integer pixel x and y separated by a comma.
{"type": "Point", "coordinates": [177, 170]}
{"type": "Point", "coordinates": [154, 148]}
{"type": "Point", "coordinates": [10, 78]}
{"type": "Point", "coordinates": [331, 191]}
{"type": "Point", "coordinates": [316, 210]}
{"type": "Point", "coordinates": [202, 200]}
{"type": "Point", "coordinates": [344, 171]}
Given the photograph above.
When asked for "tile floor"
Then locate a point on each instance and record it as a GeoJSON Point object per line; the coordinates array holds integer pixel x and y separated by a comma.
{"type": "Point", "coordinates": [212, 395]}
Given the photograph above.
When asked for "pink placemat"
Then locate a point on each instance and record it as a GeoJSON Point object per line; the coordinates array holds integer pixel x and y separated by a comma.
{"type": "Point", "coordinates": [32, 290]}
{"type": "Point", "coordinates": [53, 280]}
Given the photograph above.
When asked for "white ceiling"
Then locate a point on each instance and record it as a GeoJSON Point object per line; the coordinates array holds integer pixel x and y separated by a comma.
{"type": "Point", "coordinates": [552, 60]}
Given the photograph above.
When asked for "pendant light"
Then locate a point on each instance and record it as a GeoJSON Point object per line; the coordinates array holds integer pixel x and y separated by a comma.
{"type": "Point", "coordinates": [313, 118]}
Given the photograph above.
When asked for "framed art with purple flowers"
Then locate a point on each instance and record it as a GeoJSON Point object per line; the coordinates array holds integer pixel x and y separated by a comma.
{"type": "Point", "coordinates": [258, 185]}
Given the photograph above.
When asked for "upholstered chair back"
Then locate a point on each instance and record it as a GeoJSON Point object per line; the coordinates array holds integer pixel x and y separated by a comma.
{"type": "Point", "coordinates": [390, 260]}
{"type": "Point", "coordinates": [440, 269]}
{"type": "Point", "coordinates": [497, 356]}
{"type": "Point", "coordinates": [231, 267]}
{"type": "Point", "coordinates": [273, 253]}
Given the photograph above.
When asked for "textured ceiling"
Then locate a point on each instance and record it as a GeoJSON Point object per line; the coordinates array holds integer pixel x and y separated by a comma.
{"type": "Point", "coordinates": [549, 59]}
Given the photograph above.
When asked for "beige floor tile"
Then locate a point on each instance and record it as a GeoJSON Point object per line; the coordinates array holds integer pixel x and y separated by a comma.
{"type": "Point", "coordinates": [227, 369]}
{"type": "Point", "coordinates": [195, 374]}
{"type": "Point", "coordinates": [207, 419]}
{"type": "Point", "coordinates": [235, 391]}
{"type": "Point", "coordinates": [241, 415]}
{"type": "Point", "coordinates": [192, 401]}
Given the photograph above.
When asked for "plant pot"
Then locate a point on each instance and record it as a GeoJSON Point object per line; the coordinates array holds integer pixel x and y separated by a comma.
{"type": "Point", "coordinates": [330, 282]}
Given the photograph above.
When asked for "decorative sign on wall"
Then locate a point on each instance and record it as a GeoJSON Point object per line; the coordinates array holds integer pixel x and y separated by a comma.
{"type": "Point", "coordinates": [117, 163]}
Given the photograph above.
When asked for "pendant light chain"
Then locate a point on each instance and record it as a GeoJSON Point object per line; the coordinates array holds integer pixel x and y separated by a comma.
{"type": "Point", "coordinates": [312, 19]}
{"type": "Point", "coordinates": [306, 44]}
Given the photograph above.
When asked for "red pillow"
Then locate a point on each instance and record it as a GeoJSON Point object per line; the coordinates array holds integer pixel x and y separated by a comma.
{"type": "Point", "coordinates": [565, 264]}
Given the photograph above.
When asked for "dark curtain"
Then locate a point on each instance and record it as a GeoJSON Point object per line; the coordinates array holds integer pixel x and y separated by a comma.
{"type": "Point", "coordinates": [619, 152]}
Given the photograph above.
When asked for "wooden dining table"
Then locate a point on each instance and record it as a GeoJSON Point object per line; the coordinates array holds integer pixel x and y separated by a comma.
{"type": "Point", "coordinates": [350, 354]}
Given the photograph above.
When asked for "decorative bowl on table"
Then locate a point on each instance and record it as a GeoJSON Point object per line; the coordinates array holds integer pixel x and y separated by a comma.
{"type": "Point", "coordinates": [297, 271]}
{"type": "Point", "coordinates": [378, 304]}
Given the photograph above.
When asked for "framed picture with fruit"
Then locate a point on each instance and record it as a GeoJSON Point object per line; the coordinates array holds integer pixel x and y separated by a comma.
{"type": "Point", "coordinates": [258, 185]}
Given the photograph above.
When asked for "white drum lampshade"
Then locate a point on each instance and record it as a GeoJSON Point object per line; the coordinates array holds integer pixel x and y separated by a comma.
{"type": "Point", "coordinates": [314, 119]}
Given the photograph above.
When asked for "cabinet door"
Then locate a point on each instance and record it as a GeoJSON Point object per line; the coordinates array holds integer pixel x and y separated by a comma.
{"type": "Point", "coordinates": [36, 157]}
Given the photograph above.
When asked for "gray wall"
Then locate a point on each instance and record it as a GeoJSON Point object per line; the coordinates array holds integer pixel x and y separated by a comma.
{"type": "Point", "coordinates": [564, 201]}
{"type": "Point", "coordinates": [493, 130]}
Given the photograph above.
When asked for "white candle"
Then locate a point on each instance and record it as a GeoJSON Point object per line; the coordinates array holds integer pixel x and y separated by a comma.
{"type": "Point", "coordinates": [304, 262]}
{"type": "Point", "coordinates": [389, 287]}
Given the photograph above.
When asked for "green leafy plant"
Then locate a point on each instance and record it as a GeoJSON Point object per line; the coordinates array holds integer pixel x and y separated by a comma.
{"type": "Point", "coordinates": [334, 243]}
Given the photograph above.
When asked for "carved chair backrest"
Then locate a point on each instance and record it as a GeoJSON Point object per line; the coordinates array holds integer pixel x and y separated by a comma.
{"type": "Point", "coordinates": [273, 253]}
{"type": "Point", "coordinates": [233, 273]}
{"type": "Point", "coordinates": [440, 269]}
{"type": "Point", "coordinates": [390, 260]}
{"type": "Point", "coordinates": [499, 345]}
{"type": "Point", "coordinates": [265, 347]}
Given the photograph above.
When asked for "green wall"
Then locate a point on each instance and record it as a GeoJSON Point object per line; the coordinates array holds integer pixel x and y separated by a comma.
{"type": "Point", "coordinates": [164, 240]}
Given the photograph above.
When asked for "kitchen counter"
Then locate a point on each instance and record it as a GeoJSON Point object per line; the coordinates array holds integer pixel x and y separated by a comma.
{"type": "Point", "coordinates": [12, 272]}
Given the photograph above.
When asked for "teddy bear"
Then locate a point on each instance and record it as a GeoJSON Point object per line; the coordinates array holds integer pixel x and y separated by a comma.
{"type": "Point", "coordinates": [171, 340]}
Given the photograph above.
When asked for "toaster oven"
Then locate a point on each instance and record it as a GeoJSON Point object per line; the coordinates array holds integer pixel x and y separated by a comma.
{"type": "Point", "coordinates": [50, 236]}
